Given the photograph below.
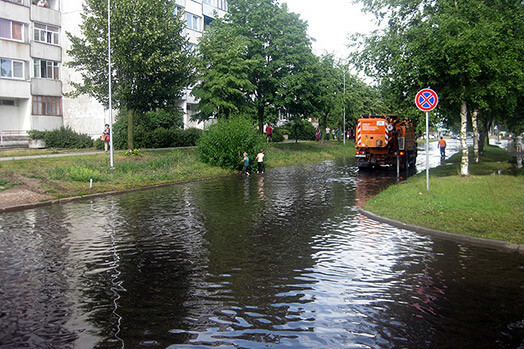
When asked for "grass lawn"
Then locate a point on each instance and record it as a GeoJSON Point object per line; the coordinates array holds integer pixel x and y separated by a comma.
{"type": "Point", "coordinates": [69, 176]}
{"type": "Point", "coordinates": [489, 203]}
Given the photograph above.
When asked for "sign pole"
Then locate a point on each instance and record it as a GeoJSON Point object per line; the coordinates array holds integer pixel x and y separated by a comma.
{"type": "Point", "coordinates": [427, 151]}
{"type": "Point", "coordinates": [426, 100]}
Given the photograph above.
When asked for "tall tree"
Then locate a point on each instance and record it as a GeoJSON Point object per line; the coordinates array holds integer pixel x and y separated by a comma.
{"type": "Point", "coordinates": [467, 51]}
{"type": "Point", "coordinates": [151, 64]}
{"type": "Point", "coordinates": [223, 66]}
{"type": "Point", "coordinates": [275, 51]}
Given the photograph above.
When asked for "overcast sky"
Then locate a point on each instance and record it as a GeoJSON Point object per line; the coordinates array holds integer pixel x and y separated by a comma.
{"type": "Point", "coordinates": [331, 22]}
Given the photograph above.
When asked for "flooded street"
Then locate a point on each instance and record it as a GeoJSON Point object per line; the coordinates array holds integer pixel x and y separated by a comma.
{"type": "Point", "coordinates": [276, 260]}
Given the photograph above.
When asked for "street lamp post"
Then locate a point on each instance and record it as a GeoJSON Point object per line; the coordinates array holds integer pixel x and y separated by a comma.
{"type": "Point", "coordinates": [111, 158]}
{"type": "Point", "coordinates": [344, 101]}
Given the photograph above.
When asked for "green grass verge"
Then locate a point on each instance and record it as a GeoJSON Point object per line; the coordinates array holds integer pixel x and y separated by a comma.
{"type": "Point", "coordinates": [69, 176]}
{"type": "Point", "coordinates": [488, 203]}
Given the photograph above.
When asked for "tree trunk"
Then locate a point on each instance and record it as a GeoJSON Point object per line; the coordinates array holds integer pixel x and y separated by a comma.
{"type": "Point", "coordinates": [475, 134]}
{"type": "Point", "coordinates": [464, 165]}
{"type": "Point", "coordinates": [130, 127]}
{"type": "Point", "coordinates": [260, 118]}
{"type": "Point", "coordinates": [484, 134]}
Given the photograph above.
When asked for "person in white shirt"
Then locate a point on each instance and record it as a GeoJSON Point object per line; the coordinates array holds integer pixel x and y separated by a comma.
{"type": "Point", "coordinates": [260, 161]}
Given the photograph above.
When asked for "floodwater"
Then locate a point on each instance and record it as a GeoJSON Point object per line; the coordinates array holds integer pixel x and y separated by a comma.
{"type": "Point", "coordinates": [276, 260]}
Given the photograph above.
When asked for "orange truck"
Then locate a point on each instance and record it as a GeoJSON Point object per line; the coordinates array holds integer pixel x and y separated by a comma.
{"type": "Point", "coordinates": [385, 140]}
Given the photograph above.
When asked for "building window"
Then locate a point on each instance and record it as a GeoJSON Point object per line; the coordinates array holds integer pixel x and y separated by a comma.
{"type": "Point", "coordinates": [21, 2]}
{"type": "Point", "coordinates": [47, 69]}
{"type": "Point", "coordinates": [46, 105]}
{"type": "Point", "coordinates": [11, 30]}
{"type": "Point", "coordinates": [46, 33]}
{"type": "Point", "coordinates": [222, 4]}
{"type": "Point", "coordinates": [8, 102]}
{"type": "Point", "coordinates": [210, 2]}
{"type": "Point", "coordinates": [11, 68]}
{"type": "Point", "coordinates": [192, 21]}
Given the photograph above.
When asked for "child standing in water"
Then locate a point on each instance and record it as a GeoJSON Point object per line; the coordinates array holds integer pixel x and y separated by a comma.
{"type": "Point", "coordinates": [260, 162]}
{"type": "Point", "coordinates": [246, 164]}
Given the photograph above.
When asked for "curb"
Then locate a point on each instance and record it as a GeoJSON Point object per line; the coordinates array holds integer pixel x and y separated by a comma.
{"type": "Point", "coordinates": [472, 240]}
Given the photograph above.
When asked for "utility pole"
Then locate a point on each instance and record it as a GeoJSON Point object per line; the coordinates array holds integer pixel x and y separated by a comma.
{"type": "Point", "coordinates": [111, 158]}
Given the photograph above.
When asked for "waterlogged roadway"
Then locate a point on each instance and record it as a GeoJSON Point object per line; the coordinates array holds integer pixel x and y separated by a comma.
{"type": "Point", "coordinates": [276, 260]}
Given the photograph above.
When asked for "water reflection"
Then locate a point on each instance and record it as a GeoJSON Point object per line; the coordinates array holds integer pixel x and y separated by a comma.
{"type": "Point", "coordinates": [280, 259]}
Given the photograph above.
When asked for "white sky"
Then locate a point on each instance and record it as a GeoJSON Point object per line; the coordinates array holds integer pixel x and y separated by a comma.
{"type": "Point", "coordinates": [331, 22]}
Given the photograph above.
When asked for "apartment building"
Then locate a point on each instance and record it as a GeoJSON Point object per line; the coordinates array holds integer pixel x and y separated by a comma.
{"type": "Point", "coordinates": [198, 15]}
{"type": "Point", "coordinates": [31, 61]}
{"type": "Point", "coordinates": [34, 80]}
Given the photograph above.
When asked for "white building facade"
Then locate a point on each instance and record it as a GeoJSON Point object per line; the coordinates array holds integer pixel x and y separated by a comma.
{"type": "Point", "coordinates": [31, 63]}
{"type": "Point", "coordinates": [34, 79]}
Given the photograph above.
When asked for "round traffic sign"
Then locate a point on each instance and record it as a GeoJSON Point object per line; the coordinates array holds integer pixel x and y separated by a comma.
{"type": "Point", "coordinates": [426, 99]}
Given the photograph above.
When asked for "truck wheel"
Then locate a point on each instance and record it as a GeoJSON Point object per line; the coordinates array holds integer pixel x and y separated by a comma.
{"type": "Point", "coordinates": [363, 164]}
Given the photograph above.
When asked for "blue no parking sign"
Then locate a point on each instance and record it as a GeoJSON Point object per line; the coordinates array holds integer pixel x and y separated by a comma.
{"type": "Point", "coordinates": [426, 99]}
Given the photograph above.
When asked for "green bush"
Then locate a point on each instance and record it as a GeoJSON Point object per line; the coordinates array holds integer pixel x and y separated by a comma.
{"type": "Point", "coordinates": [301, 129]}
{"type": "Point", "coordinates": [63, 137]}
{"type": "Point", "coordinates": [278, 134]}
{"type": "Point", "coordinates": [223, 143]}
{"type": "Point", "coordinates": [36, 134]}
{"type": "Point", "coordinates": [151, 131]}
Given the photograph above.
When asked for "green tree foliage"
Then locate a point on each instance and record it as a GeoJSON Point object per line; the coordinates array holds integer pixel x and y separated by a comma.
{"type": "Point", "coordinates": [223, 143]}
{"type": "Point", "coordinates": [265, 66]}
{"type": "Point", "coordinates": [224, 86]}
{"type": "Point", "coordinates": [470, 52]}
{"type": "Point", "coordinates": [150, 61]}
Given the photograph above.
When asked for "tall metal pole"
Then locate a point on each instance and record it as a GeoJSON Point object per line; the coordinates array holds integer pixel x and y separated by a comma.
{"type": "Point", "coordinates": [427, 151]}
{"type": "Point", "coordinates": [111, 158]}
{"type": "Point", "coordinates": [344, 122]}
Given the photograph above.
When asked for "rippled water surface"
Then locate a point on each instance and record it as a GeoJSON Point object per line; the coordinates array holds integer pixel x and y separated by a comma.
{"type": "Point", "coordinates": [275, 260]}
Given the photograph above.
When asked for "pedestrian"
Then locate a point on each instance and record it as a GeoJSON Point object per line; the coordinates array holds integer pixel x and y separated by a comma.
{"type": "Point", "coordinates": [442, 146]}
{"type": "Point", "coordinates": [328, 130]}
{"type": "Point", "coordinates": [246, 164]}
{"type": "Point", "coordinates": [269, 133]}
{"type": "Point", "coordinates": [106, 136]}
{"type": "Point", "coordinates": [260, 162]}
{"type": "Point", "coordinates": [333, 134]}
{"type": "Point", "coordinates": [317, 135]}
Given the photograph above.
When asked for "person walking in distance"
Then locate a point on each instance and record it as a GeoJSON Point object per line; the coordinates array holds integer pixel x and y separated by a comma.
{"type": "Point", "coordinates": [106, 136]}
{"type": "Point", "coordinates": [260, 162]}
{"type": "Point", "coordinates": [442, 146]}
{"type": "Point", "coordinates": [269, 133]}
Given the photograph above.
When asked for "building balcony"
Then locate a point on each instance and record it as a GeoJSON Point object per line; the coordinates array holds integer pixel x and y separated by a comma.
{"type": "Point", "coordinates": [11, 88]}
{"type": "Point", "coordinates": [45, 15]}
{"type": "Point", "coordinates": [212, 11]}
{"type": "Point", "coordinates": [46, 51]}
{"type": "Point", "coordinates": [14, 11]}
{"type": "Point", "coordinates": [46, 87]}
{"type": "Point", "coordinates": [14, 50]}
{"type": "Point", "coordinates": [181, 3]}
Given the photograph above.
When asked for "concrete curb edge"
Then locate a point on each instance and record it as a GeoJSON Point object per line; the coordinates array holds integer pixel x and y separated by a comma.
{"type": "Point", "coordinates": [472, 240]}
